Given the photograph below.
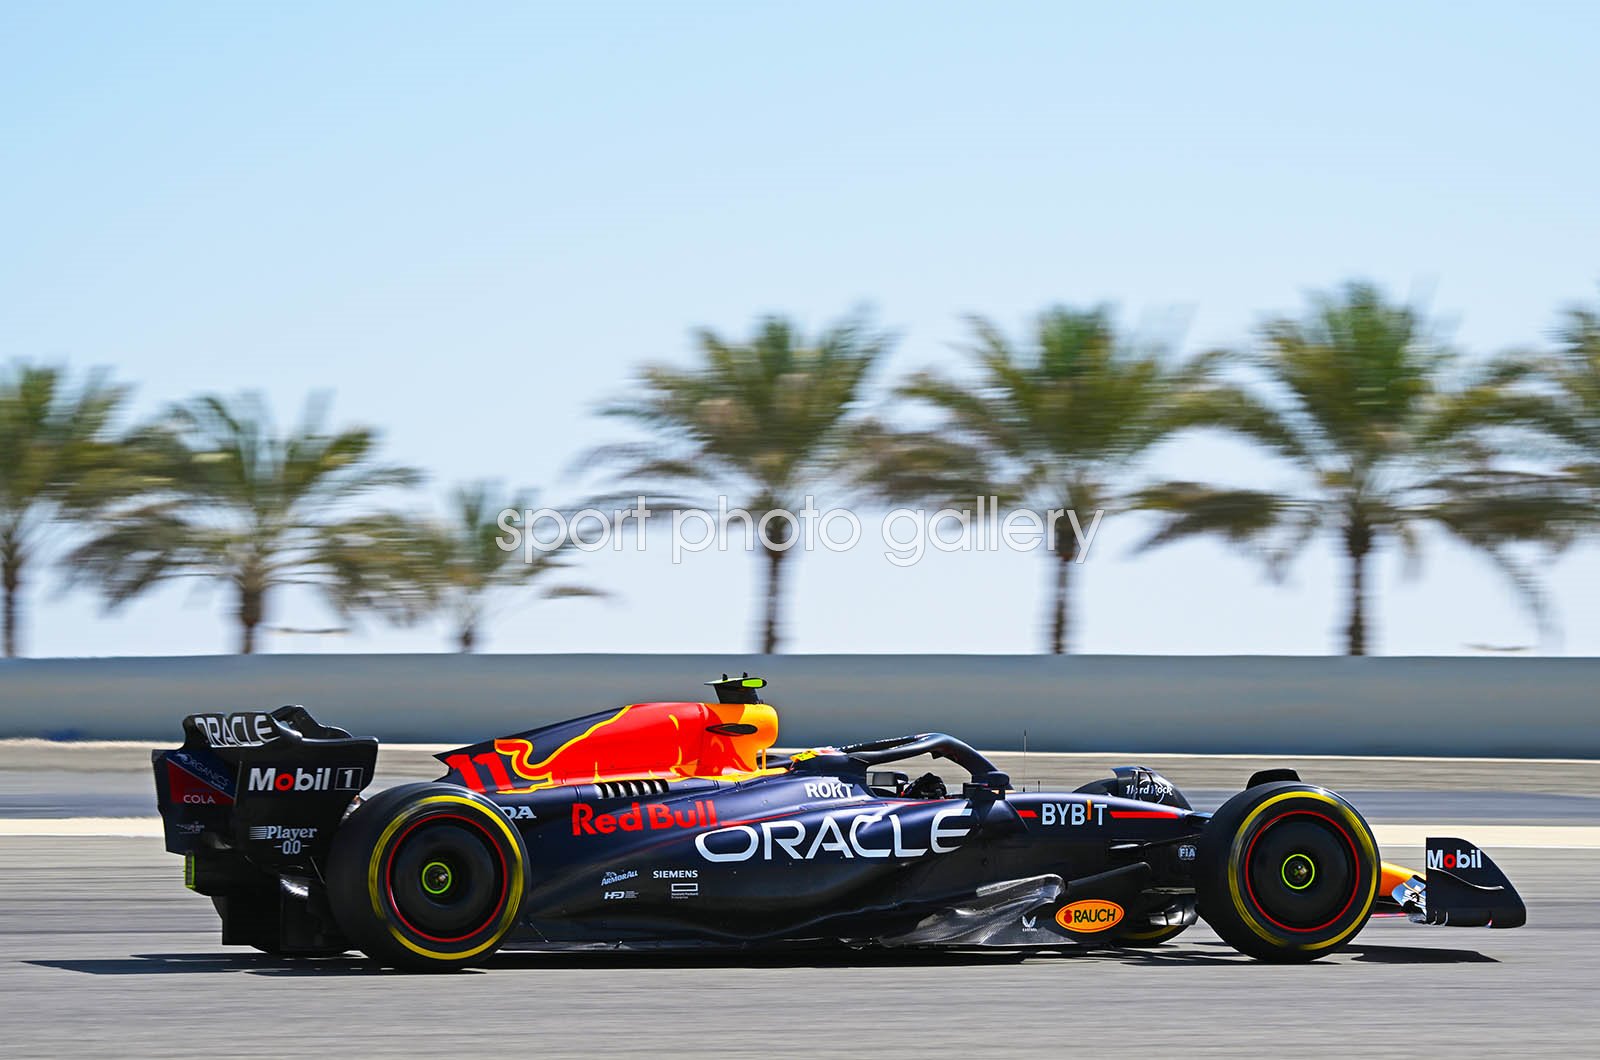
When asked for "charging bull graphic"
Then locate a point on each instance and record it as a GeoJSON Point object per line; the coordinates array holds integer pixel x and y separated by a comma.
{"type": "Point", "coordinates": [642, 741]}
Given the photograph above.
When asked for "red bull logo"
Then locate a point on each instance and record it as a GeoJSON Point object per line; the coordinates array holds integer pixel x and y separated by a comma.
{"type": "Point", "coordinates": [637, 818]}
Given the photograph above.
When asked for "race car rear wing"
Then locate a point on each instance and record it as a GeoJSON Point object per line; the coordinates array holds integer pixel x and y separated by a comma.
{"type": "Point", "coordinates": [268, 787]}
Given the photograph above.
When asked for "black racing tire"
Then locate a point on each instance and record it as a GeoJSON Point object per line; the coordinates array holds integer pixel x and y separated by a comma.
{"type": "Point", "coordinates": [427, 877]}
{"type": "Point", "coordinates": [1287, 872]}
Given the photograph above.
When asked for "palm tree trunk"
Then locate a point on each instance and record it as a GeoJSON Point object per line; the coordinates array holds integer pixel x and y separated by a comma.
{"type": "Point", "coordinates": [769, 635]}
{"type": "Point", "coordinates": [1058, 625]}
{"type": "Point", "coordinates": [1066, 552]}
{"type": "Point", "coordinates": [1357, 543]}
{"type": "Point", "coordinates": [775, 540]}
{"type": "Point", "coordinates": [10, 583]}
{"type": "Point", "coordinates": [250, 610]}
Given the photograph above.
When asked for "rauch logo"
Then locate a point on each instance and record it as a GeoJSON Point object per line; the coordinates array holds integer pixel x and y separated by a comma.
{"type": "Point", "coordinates": [1089, 916]}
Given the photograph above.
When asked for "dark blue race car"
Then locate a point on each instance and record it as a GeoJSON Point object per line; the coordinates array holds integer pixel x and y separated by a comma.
{"type": "Point", "coordinates": [672, 824]}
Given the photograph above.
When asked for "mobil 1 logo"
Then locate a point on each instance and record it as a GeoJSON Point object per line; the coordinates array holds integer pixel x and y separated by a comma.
{"type": "Point", "coordinates": [283, 780]}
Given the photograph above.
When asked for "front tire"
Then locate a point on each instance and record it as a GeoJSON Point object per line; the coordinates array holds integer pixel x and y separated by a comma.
{"type": "Point", "coordinates": [427, 877]}
{"type": "Point", "coordinates": [1287, 872]}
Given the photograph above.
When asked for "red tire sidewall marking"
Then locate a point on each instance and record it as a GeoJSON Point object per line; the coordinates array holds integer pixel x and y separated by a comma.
{"type": "Point", "coordinates": [1355, 861]}
{"type": "Point", "coordinates": [388, 876]}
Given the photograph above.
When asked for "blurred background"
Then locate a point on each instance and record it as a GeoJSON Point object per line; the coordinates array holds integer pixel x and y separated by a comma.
{"type": "Point", "coordinates": [297, 299]}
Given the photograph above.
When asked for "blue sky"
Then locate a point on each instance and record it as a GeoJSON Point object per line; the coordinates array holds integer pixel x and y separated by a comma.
{"type": "Point", "coordinates": [471, 222]}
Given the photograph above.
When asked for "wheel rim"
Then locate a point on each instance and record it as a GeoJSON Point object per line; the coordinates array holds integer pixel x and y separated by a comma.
{"type": "Point", "coordinates": [446, 878]}
{"type": "Point", "coordinates": [1301, 871]}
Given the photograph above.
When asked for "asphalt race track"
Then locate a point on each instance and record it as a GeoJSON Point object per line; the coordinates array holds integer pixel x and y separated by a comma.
{"type": "Point", "coordinates": [105, 953]}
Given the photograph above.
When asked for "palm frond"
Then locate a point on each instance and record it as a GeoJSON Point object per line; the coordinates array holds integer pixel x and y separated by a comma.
{"type": "Point", "coordinates": [1189, 509]}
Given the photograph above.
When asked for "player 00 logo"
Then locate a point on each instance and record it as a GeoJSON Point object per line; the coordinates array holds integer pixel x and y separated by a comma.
{"type": "Point", "coordinates": [288, 839]}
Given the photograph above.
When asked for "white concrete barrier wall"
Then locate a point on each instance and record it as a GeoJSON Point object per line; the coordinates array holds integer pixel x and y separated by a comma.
{"type": "Point", "coordinates": [1234, 704]}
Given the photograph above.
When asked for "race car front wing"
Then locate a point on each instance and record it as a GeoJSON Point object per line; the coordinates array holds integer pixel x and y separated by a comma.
{"type": "Point", "coordinates": [1462, 887]}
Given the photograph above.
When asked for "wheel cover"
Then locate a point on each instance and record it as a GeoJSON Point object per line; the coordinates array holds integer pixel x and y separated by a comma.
{"type": "Point", "coordinates": [446, 879]}
{"type": "Point", "coordinates": [1301, 871]}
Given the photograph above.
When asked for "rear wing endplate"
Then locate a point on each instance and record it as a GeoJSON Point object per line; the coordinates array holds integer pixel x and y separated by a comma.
{"type": "Point", "coordinates": [271, 786]}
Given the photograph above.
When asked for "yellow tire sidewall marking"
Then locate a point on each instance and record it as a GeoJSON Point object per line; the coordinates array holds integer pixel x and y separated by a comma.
{"type": "Point", "coordinates": [1363, 837]}
{"type": "Point", "coordinates": [514, 884]}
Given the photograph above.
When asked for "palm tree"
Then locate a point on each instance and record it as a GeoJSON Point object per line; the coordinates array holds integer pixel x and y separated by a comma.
{"type": "Point", "coordinates": [457, 566]}
{"type": "Point", "coordinates": [1557, 397]}
{"type": "Point", "coordinates": [1363, 400]}
{"type": "Point", "coordinates": [1057, 425]}
{"type": "Point", "coordinates": [759, 421]}
{"type": "Point", "coordinates": [239, 504]}
{"type": "Point", "coordinates": [57, 455]}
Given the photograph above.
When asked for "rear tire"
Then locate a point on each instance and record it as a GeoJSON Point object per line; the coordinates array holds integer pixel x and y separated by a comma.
{"type": "Point", "coordinates": [427, 877]}
{"type": "Point", "coordinates": [1287, 872]}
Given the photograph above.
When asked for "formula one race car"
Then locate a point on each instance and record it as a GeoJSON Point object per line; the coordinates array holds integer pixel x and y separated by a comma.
{"type": "Point", "coordinates": [670, 825]}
